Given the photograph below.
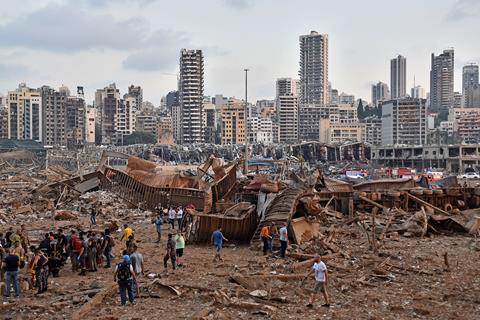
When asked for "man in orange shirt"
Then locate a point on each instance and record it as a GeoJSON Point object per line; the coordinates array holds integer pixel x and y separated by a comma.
{"type": "Point", "coordinates": [265, 234]}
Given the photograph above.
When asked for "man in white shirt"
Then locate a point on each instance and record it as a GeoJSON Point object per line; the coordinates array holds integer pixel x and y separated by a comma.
{"type": "Point", "coordinates": [172, 214]}
{"type": "Point", "coordinates": [283, 236]}
{"type": "Point", "coordinates": [179, 217]}
{"type": "Point", "coordinates": [321, 278]}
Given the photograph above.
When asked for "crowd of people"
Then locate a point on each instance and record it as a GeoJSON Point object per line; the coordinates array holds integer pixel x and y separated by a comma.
{"type": "Point", "coordinates": [91, 249]}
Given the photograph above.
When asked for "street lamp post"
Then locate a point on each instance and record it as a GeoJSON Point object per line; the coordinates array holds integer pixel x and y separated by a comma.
{"type": "Point", "coordinates": [246, 123]}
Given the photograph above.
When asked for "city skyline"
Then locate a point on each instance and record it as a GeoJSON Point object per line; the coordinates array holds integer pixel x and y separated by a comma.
{"type": "Point", "coordinates": [74, 57]}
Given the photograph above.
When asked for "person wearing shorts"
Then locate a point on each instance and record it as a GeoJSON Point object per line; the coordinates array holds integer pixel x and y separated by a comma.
{"type": "Point", "coordinates": [179, 246]}
{"type": "Point", "coordinates": [321, 278]}
{"type": "Point", "coordinates": [217, 241]}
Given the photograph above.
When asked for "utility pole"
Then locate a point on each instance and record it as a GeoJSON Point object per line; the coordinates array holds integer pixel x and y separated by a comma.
{"type": "Point", "coordinates": [246, 123]}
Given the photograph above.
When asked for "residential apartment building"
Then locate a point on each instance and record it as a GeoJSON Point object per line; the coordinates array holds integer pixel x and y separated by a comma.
{"type": "Point", "coordinates": [286, 86]}
{"type": "Point", "coordinates": [25, 114]}
{"type": "Point", "coordinates": [3, 122]}
{"type": "Point", "coordinates": [287, 105]}
{"type": "Point", "coordinates": [191, 95]}
{"type": "Point", "coordinates": [313, 68]}
{"type": "Point", "coordinates": [165, 131]}
{"type": "Point", "coordinates": [345, 98]}
{"type": "Point", "coordinates": [469, 82]}
{"type": "Point", "coordinates": [448, 127]}
{"type": "Point", "coordinates": [398, 77]}
{"type": "Point", "coordinates": [210, 122]}
{"type": "Point", "coordinates": [137, 93]}
{"type": "Point", "coordinates": [373, 130]}
{"type": "Point", "coordinates": [260, 130]}
{"type": "Point", "coordinates": [333, 97]}
{"type": "Point", "coordinates": [313, 83]}
{"type": "Point", "coordinates": [75, 121]}
{"type": "Point", "coordinates": [472, 96]}
{"type": "Point", "coordinates": [339, 113]}
{"type": "Point", "coordinates": [54, 115]}
{"type": "Point", "coordinates": [380, 93]}
{"type": "Point", "coordinates": [287, 109]}
{"type": "Point", "coordinates": [125, 117]}
{"type": "Point", "coordinates": [466, 123]}
{"type": "Point", "coordinates": [417, 92]}
{"type": "Point", "coordinates": [171, 100]}
{"type": "Point", "coordinates": [90, 124]}
{"type": "Point", "coordinates": [441, 81]}
{"type": "Point", "coordinates": [233, 122]}
{"type": "Point", "coordinates": [146, 123]}
{"type": "Point", "coordinates": [177, 123]}
{"type": "Point", "coordinates": [332, 132]}
{"type": "Point", "coordinates": [404, 122]}
{"type": "Point", "coordinates": [107, 102]}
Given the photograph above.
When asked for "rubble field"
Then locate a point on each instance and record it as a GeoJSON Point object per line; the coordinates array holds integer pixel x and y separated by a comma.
{"type": "Point", "coordinates": [409, 278]}
{"type": "Point", "coordinates": [394, 248]}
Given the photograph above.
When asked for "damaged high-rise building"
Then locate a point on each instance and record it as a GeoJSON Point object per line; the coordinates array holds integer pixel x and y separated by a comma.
{"type": "Point", "coordinates": [313, 83]}
{"type": "Point", "coordinates": [191, 96]}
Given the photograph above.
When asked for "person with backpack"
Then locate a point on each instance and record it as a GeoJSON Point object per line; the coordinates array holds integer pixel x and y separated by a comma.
{"type": "Point", "coordinates": [107, 246]}
{"type": "Point", "coordinates": [124, 276]}
{"type": "Point", "coordinates": [75, 245]}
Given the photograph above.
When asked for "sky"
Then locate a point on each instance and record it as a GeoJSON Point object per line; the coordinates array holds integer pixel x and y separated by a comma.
{"type": "Point", "coordinates": [96, 42]}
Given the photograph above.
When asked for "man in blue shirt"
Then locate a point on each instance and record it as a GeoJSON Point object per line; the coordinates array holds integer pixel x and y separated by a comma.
{"type": "Point", "coordinates": [217, 241]}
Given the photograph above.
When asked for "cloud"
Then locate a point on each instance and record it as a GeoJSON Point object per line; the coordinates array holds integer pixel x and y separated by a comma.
{"type": "Point", "coordinates": [13, 70]}
{"type": "Point", "coordinates": [102, 3]}
{"type": "Point", "coordinates": [66, 28]}
{"type": "Point", "coordinates": [464, 9]}
{"type": "Point", "coordinates": [161, 51]}
{"type": "Point", "coordinates": [240, 4]}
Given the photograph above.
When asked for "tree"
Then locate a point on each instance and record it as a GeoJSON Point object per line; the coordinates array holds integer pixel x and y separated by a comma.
{"type": "Point", "coordinates": [360, 110]}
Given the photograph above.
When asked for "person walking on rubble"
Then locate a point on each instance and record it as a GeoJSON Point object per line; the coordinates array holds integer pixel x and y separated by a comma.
{"type": "Point", "coordinates": [217, 241]}
{"type": "Point", "coordinates": [273, 233]}
{"type": "Point", "coordinates": [124, 275]}
{"type": "Point", "coordinates": [265, 235]}
{"type": "Point", "coordinates": [172, 214]}
{"type": "Point", "coordinates": [127, 232]}
{"type": "Point", "coordinates": [283, 240]}
{"type": "Point", "coordinates": [321, 280]}
{"type": "Point", "coordinates": [170, 253]}
{"type": "Point", "coordinates": [158, 224]}
{"type": "Point", "coordinates": [75, 245]}
{"type": "Point", "coordinates": [179, 217]}
{"type": "Point", "coordinates": [107, 246]}
{"type": "Point", "coordinates": [11, 263]}
{"type": "Point", "coordinates": [41, 270]}
{"type": "Point", "coordinates": [179, 247]}
{"type": "Point", "coordinates": [93, 215]}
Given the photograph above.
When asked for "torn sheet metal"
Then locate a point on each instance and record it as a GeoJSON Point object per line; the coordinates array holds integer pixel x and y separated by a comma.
{"type": "Point", "coordinates": [385, 185]}
{"type": "Point", "coordinates": [304, 230]}
{"type": "Point", "coordinates": [239, 228]}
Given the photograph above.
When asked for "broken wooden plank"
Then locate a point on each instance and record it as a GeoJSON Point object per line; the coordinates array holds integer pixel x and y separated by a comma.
{"type": "Point", "coordinates": [95, 302]}
{"type": "Point", "coordinates": [373, 203]}
{"type": "Point", "coordinates": [427, 204]}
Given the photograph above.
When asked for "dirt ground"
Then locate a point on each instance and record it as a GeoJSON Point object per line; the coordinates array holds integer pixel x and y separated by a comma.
{"type": "Point", "coordinates": [408, 279]}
